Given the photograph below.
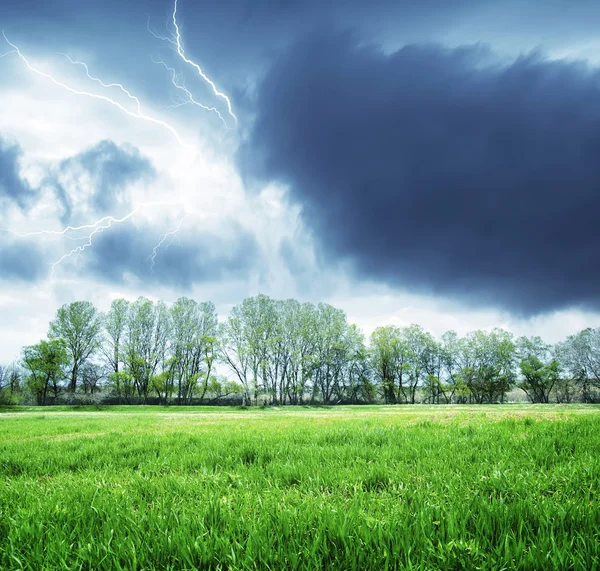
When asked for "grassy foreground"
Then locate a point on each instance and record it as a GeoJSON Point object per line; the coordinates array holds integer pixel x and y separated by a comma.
{"type": "Point", "coordinates": [503, 487]}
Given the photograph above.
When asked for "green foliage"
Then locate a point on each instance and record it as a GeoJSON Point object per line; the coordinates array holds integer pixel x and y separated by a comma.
{"type": "Point", "coordinates": [386, 487]}
{"type": "Point", "coordinates": [580, 357]}
{"type": "Point", "coordinates": [539, 370]}
{"type": "Point", "coordinates": [122, 385]}
{"type": "Point", "coordinates": [222, 387]}
{"type": "Point", "coordinates": [11, 380]}
{"type": "Point", "coordinates": [278, 348]}
{"type": "Point", "coordinates": [282, 352]}
{"type": "Point", "coordinates": [79, 325]}
{"type": "Point", "coordinates": [45, 364]}
{"type": "Point", "coordinates": [486, 364]}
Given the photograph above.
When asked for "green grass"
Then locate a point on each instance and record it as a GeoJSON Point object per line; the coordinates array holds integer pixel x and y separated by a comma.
{"type": "Point", "coordinates": [498, 487]}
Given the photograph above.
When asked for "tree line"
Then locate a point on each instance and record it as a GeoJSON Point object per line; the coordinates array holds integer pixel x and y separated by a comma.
{"type": "Point", "coordinates": [283, 352]}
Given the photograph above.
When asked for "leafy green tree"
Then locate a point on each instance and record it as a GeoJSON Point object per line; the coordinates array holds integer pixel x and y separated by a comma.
{"type": "Point", "coordinates": [115, 324]}
{"type": "Point", "coordinates": [300, 322]}
{"type": "Point", "coordinates": [333, 353]}
{"type": "Point", "coordinates": [433, 389]}
{"type": "Point", "coordinates": [239, 348]}
{"type": "Point", "coordinates": [80, 325]}
{"type": "Point", "coordinates": [580, 356]}
{"type": "Point", "coordinates": [389, 355]}
{"type": "Point", "coordinates": [193, 348]}
{"type": "Point", "coordinates": [540, 371]}
{"type": "Point", "coordinates": [487, 364]}
{"type": "Point", "coordinates": [359, 386]}
{"type": "Point", "coordinates": [257, 349]}
{"type": "Point", "coordinates": [146, 342]}
{"type": "Point", "coordinates": [432, 359]}
{"type": "Point", "coordinates": [450, 347]}
{"type": "Point", "coordinates": [219, 388]}
{"type": "Point", "coordinates": [45, 364]}
{"type": "Point", "coordinates": [161, 384]}
{"type": "Point", "coordinates": [264, 340]}
{"type": "Point", "coordinates": [287, 350]}
{"type": "Point", "coordinates": [352, 379]}
{"type": "Point", "coordinates": [418, 344]}
{"type": "Point", "coordinates": [122, 385]}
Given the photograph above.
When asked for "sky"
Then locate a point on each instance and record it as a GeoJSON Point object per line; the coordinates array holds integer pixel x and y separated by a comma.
{"type": "Point", "coordinates": [410, 161]}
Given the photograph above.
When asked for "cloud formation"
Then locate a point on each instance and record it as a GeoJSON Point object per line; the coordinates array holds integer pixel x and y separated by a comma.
{"type": "Point", "coordinates": [107, 169]}
{"type": "Point", "coordinates": [122, 255]}
{"type": "Point", "coordinates": [440, 169]}
{"type": "Point", "coordinates": [13, 187]}
{"type": "Point", "coordinates": [21, 260]}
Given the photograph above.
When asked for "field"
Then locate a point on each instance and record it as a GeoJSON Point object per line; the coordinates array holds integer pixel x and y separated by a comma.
{"type": "Point", "coordinates": [388, 487]}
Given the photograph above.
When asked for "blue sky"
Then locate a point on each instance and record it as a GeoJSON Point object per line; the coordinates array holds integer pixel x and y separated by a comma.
{"type": "Point", "coordinates": [414, 161]}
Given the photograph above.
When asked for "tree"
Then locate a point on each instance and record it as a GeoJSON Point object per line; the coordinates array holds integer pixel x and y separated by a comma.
{"type": "Point", "coordinates": [194, 345]}
{"type": "Point", "coordinates": [337, 344]}
{"type": "Point", "coordinates": [145, 343]}
{"type": "Point", "coordinates": [246, 344]}
{"type": "Point", "coordinates": [284, 349]}
{"type": "Point", "coordinates": [580, 355]}
{"type": "Point", "coordinates": [300, 322]}
{"type": "Point", "coordinates": [381, 352]}
{"type": "Point", "coordinates": [10, 384]}
{"type": "Point", "coordinates": [539, 369]}
{"type": "Point", "coordinates": [91, 377]}
{"type": "Point", "coordinates": [450, 346]}
{"type": "Point", "coordinates": [79, 324]}
{"type": "Point", "coordinates": [220, 388]}
{"type": "Point", "coordinates": [432, 362]}
{"type": "Point", "coordinates": [487, 363]}
{"type": "Point", "coordinates": [279, 325]}
{"type": "Point", "coordinates": [115, 323]}
{"type": "Point", "coordinates": [388, 354]}
{"type": "Point", "coordinates": [122, 385]}
{"type": "Point", "coordinates": [45, 364]}
{"type": "Point", "coordinates": [238, 351]}
{"type": "Point", "coordinates": [286, 352]}
{"type": "Point", "coordinates": [3, 377]}
{"type": "Point", "coordinates": [417, 345]}
{"type": "Point", "coordinates": [358, 385]}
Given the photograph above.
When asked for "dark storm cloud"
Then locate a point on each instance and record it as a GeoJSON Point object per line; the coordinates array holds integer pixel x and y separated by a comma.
{"type": "Point", "coordinates": [235, 40]}
{"type": "Point", "coordinates": [12, 186]}
{"type": "Point", "coordinates": [110, 168]}
{"type": "Point", "coordinates": [431, 169]}
{"type": "Point", "coordinates": [198, 256]}
{"type": "Point", "coordinates": [20, 260]}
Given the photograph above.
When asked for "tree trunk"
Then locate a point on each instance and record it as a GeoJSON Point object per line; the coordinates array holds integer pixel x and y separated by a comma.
{"type": "Point", "coordinates": [73, 383]}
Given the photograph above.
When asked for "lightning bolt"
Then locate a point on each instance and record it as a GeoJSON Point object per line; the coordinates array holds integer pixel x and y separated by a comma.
{"type": "Point", "coordinates": [158, 36]}
{"type": "Point", "coordinates": [176, 41]}
{"type": "Point", "coordinates": [180, 85]}
{"type": "Point", "coordinates": [96, 228]}
{"type": "Point", "coordinates": [138, 114]}
{"type": "Point", "coordinates": [172, 234]}
{"type": "Point", "coordinates": [87, 233]}
{"type": "Point", "coordinates": [101, 225]}
{"type": "Point", "coordinates": [106, 85]}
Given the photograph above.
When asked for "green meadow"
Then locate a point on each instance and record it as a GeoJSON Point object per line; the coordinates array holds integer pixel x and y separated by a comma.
{"type": "Point", "coordinates": [382, 487]}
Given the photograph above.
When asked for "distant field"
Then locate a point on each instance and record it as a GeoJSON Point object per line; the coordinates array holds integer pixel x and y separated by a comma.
{"type": "Point", "coordinates": [385, 487]}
